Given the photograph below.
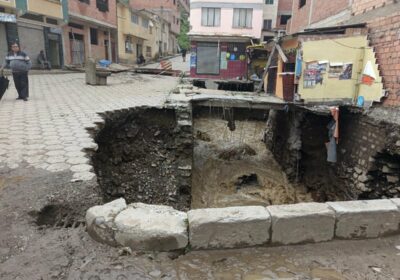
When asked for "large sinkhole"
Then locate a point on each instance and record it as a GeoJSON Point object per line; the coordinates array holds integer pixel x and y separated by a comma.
{"type": "Point", "coordinates": [207, 157]}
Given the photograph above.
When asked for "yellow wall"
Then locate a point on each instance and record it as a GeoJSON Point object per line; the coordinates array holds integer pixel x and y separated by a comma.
{"type": "Point", "coordinates": [47, 8]}
{"type": "Point", "coordinates": [5, 3]}
{"type": "Point", "coordinates": [337, 51]}
{"type": "Point", "coordinates": [140, 35]}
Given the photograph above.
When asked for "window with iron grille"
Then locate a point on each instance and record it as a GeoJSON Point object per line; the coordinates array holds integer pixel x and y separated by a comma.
{"type": "Point", "coordinates": [145, 22]}
{"type": "Point", "coordinates": [210, 16]}
{"type": "Point", "coordinates": [148, 51]}
{"type": "Point", "coordinates": [242, 18]}
{"type": "Point", "coordinates": [269, 2]}
{"type": "Point", "coordinates": [93, 36]}
{"type": "Point", "coordinates": [102, 5]}
{"type": "Point", "coordinates": [267, 24]}
{"type": "Point", "coordinates": [128, 44]}
{"type": "Point", "coordinates": [135, 18]}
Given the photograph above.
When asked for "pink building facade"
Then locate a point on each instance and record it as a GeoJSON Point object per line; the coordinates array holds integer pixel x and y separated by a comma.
{"type": "Point", "coordinates": [220, 32]}
{"type": "Point", "coordinates": [90, 32]}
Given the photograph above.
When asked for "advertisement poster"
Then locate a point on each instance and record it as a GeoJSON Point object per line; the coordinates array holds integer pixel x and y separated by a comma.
{"type": "Point", "coordinates": [224, 62]}
{"type": "Point", "coordinates": [193, 59]}
{"type": "Point", "coordinates": [313, 74]}
{"type": "Point", "coordinates": [347, 72]}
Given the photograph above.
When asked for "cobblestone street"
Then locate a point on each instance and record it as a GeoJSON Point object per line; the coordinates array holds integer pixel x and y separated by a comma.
{"type": "Point", "coordinates": [49, 131]}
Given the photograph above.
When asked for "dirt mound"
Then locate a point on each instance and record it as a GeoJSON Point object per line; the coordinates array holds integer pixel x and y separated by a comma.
{"type": "Point", "coordinates": [236, 152]}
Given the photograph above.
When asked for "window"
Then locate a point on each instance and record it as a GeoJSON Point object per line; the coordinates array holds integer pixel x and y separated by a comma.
{"type": "Point", "coordinates": [128, 44]}
{"type": "Point", "coordinates": [302, 3]}
{"type": "Point", "coordinates": [236, 50]}
{"type": "Point", "coordinates": [102, 5]}
{"type": "Point", "coordinates": [145, 22]}
{"type": "Point", "coordinates": [51, 21]}
{"type": "Point", "coordinates": [148, 51]}
{"type": "Point", "coordinates": [135, 18]}
{"type": "Point", "coordinates": [269, 2]}
{"type": "Point", "coordinates": [267, 24]}
{"type": "Point", "coordinates": [75, 25]}
{"type": "Point", "coordinates": [210, 16]}
{"type": "Point", "coordinates": [93, 36]}
{"type": "Point", "coordinates": [242, 18]}
{"type": "Point", "coordinates": [284, 19]}
{"type": "Point", "coordinates": [85, 1]}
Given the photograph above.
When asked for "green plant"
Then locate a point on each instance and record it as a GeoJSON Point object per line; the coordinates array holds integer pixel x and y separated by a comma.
{"type": "Point", "coordinates": [183, 38]}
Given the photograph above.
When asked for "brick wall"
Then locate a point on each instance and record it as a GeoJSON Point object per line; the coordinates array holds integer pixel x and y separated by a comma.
{"type": "Point", "coordinates": [385, 38]}
{"type": "Point", "coordinates": [362, 6]}
{"type": "Point", "coordinates": [285, 5]}
{"type": "Point", "coordinates": [90, 10]}
{"type": "Point", "coordinates": [320, 11]}
{"type": "Point", "coordinates": [326, 9]}
{"type": "Point", "coordinates": [300, 17]}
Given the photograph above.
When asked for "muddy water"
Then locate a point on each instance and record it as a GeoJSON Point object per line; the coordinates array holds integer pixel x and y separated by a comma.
{"type": "Point", "coordinates": [233, 168]}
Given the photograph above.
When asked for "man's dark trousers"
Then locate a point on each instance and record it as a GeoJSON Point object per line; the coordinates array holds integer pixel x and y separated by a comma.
{"type": "Point", "coordinates": [21, 84]}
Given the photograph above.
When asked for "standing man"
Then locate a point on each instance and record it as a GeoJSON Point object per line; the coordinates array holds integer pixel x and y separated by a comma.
{"type": "Point", "coordinates": [20, 64]}
{"type": "Point", "coordinates": [184, 55]}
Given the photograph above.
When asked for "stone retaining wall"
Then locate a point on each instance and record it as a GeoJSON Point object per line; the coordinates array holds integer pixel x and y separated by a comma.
{"type": "Point", "coordinates": [162, 228]}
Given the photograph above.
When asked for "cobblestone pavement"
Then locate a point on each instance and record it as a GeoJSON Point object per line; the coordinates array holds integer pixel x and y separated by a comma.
{"type": "Point", "coordinates": [49, 131]}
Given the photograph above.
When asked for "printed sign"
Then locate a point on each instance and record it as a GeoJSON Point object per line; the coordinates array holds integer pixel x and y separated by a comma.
{"type": "Point", "coordinates": [7, 17]}
{"type": "Point", "coordinates": [313, 74]}
{"type": "Point", "coordinates": [224, 62]}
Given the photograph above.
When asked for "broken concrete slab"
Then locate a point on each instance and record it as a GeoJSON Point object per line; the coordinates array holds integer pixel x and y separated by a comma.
{"type": "Point", "coordinates": [100, 221]}
{"type": "Point", "coordinates": [365, 218]}
{"type": "Point", "coordinates": [230, 227]}
{"type": "Point", "coordinates": [151, 228]}
{"type": "Point", "coordinates": [301, 223]}
{"type": "Point", "coordinates": [397, 202]}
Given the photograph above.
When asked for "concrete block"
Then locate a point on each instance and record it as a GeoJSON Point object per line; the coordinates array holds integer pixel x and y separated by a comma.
{"type": "Point", "coordinates": [229, 227]}
{"type": "Point", "coordinates": [365, 218]}
{"type": "Point", "coordinates": [396, 201]}
{"type": "Point", "coordinates": [151, 228]}
{"type": "Point", "coordinates": [100, 221]}
{"type": "Point", "coordinates": [301, 223]}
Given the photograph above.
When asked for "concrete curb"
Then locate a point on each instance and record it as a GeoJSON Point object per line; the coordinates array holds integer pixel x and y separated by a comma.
{"type": "Point", "coordinates": [161, 228]}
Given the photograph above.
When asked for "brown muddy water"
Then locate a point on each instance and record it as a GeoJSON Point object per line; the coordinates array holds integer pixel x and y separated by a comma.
{"type": "Point", "coordinates": [234, 168]}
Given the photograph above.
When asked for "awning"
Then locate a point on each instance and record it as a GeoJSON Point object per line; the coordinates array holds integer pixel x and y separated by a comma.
{"type": "Point", "coordinates": [136, 36]}
{"type": "Point", "coordinates": [91, 20]}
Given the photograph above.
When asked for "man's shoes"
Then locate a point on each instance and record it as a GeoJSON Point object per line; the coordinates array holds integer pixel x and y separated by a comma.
{"type": "Point", "coordinates": [25, 99]}
{"type": "Point", "coordinates": [19, 98]}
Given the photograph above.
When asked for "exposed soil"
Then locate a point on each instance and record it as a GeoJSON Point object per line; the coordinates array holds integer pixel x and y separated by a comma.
{"type": "Point", "coordinates": [28, 251]}
{"type": "Point", "coordinates": [139, 155]}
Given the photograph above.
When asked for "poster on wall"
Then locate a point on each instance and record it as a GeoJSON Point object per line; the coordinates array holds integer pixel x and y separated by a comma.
{"type": "Point", "coordinates": [193, 59]}
{"type": "Point", "coordinates": [312, 75]}
{"type": "Point", "coordinates": [335, 69]}
{"type": "Point", "coordinates": [347, 72]}
{"type": "Point", "coordinates": [224, 62]}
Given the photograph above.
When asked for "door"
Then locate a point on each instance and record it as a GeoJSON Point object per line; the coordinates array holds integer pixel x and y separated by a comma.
{"type": "Point", "coordinates": [208, 61]}
{"type": "Point", "coordinates": [54, 53]}
{"type": "Point", "coordinates": [272, 75]}
{"type": "Point", "coordinates": [77, 49]}
{"type": "Point", "coordinates": [106, 49]}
